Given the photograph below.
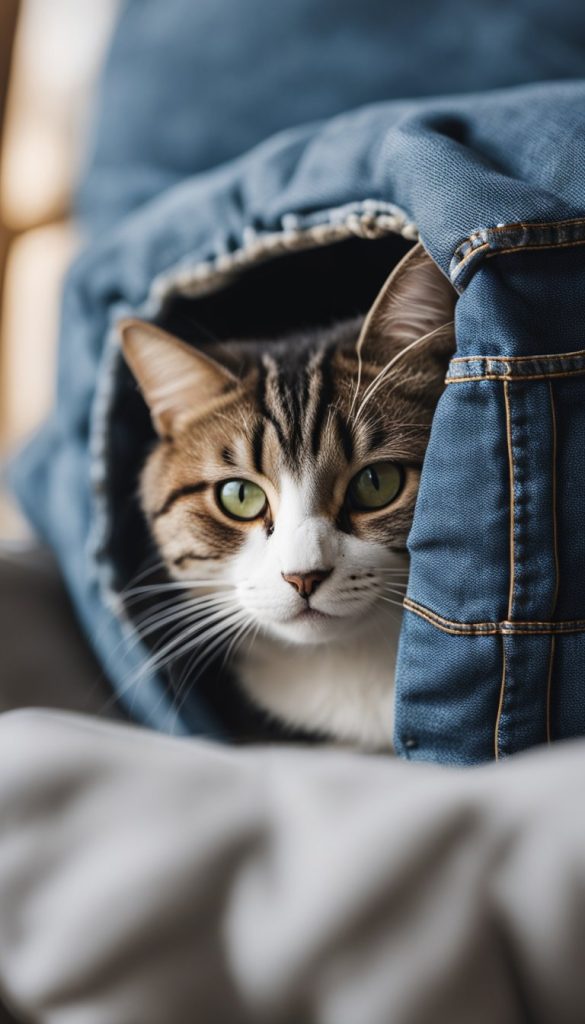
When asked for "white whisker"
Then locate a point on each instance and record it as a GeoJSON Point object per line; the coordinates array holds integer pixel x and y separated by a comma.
{"type": "Point", "coordinates": [187, 677]}
{"type": "Point", "coordinates": [222, 632]}
{"type": "Point", "coordinates": [172, 649]}
{"type": "Point", "coordinates": [205, 655]}
{"type": "Point", "coordinates": [180, 585]}
{"type": "Point", "coordinates": [397, 604]}
{"type": "Point", "coordinates": [382, 376]}
{"type": "Point", "coordinates": [142, 593]}
{"type": "Point", "coordinates": [187, 610]}
{"type": "Point", "coordinates": [171, 652]}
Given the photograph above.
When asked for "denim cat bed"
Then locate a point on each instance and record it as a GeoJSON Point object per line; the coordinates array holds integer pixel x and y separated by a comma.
{"type": "Point", "coordinates": [493, 649]}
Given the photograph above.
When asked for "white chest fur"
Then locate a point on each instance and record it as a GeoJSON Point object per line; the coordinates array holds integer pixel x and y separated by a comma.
{"type": "Point", "coordinates": [344, 689]}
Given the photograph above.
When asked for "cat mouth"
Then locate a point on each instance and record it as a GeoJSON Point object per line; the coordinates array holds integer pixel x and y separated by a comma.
{"type": "Point", "coordinates": [309, 614]}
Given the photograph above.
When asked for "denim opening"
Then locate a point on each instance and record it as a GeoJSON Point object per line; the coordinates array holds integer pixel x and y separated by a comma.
{"type": "Point", "coordinates": [336, 272]}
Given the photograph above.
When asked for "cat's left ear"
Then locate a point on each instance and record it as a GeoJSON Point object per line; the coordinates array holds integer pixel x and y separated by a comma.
{"type": "Point", "coordinates": [178, 382]}
{"type": "Point", "coordinates": [416, 301]}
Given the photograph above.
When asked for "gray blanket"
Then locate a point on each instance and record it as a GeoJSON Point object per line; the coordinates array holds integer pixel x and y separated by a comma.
{"type": "Point", "coordinates": [151, 880]}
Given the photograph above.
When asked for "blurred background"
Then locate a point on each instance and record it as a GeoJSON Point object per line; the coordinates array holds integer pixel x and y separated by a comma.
{"type": "Point", "coordinates": [50, 55]}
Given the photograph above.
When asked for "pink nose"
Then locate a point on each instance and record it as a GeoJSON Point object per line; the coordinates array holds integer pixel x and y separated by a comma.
{"type": "Point", "coordinates": [306, 583]}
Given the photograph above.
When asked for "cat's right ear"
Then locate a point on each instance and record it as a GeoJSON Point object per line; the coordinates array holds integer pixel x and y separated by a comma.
{"type": "Point", "coordinates": [177, 381]}
{"type": "Point", "coordinates": [416, 302]}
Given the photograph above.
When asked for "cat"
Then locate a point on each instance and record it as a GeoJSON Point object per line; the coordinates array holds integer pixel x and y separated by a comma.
{"type": "Point", "coordinates": [281, 491]}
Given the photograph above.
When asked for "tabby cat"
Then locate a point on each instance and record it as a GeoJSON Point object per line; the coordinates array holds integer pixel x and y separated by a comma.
{"type": "Point", "coordinates": [281, 492]}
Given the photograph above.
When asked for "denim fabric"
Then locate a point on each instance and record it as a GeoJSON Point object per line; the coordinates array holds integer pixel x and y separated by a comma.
{"type": "Point", "coordinates": [498, 557]}
{"type": "Point", "coordinates": [491, 658]}
{"type": "Point", "coordinates": [190, 85]}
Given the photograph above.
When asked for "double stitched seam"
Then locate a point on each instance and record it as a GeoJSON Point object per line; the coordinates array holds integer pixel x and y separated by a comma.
{"type": "Point", "coordinates": [545, 375]}
{"type": "Point", "coordinates": [523, 236]}
{"type": "Point", "coordinates": [556, 560]}
{"type": "Point", "coordinates": [518, 627]}
{"type": "Point", "coordinates": [527, 227]}
{"type": "Point", "coordinates": [537, 245]}
{"type": "Point", "coordinates": [461, 257]}
{"type": "Point", "coordinates": [580, 354]}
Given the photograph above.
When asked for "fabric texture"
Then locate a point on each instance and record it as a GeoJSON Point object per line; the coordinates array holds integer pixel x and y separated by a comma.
{"type": "Point", "coordinates": [492, 650]}
{"type": "Point", "coordinates": [187, 881]}
{"type": "Point", "coordinates": [190, 86]}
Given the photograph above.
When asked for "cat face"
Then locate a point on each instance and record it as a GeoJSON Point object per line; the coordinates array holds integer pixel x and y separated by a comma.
{"type": "Point", "coordinates": [282, 489]}
{"type": "Point", "coordinates": [287, 471]}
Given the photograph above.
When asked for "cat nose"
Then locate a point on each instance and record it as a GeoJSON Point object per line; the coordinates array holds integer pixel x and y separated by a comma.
{"type": "Point", "coordinates": [306, 583]}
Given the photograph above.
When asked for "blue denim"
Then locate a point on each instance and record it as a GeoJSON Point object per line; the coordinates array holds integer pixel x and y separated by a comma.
{"type": "Point", "coordinates": [498, 556]}
{"type": "Point", "coordinates": [491, 656]}
{"type": "Point", "coordinates": [190, 85]}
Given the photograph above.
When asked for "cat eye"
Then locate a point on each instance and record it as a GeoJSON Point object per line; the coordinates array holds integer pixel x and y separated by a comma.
{"type": "Point", "coordinates": [375, 486]}
{"type": "Point", "coordinates": [242, 499]}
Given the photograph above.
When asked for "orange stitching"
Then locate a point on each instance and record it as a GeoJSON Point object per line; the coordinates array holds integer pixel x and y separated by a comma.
{"type": "Point", "coordinates": [500, 704]}
{"type": "Point", "coordinates": [551, 629]}
{"type": "Point", "coordinates": [519, 376]}
{"type": "Point", "coordinates": [454, 630]}
{"type": "Point", "coordinates": [512, 519]}
{"type": "Point", "coordinates": [415, 606]}
{"type": "Point", "coordinates": [502, 228]}
{"type": "Point", "coordinates": [506, 628]}
{"type": "Point", "coordinates": [537, 224]}
{"type": "Point", "coordinates": [472, 252]}
{"type": "Point", "coordinates": [534, 248]}
{"type": "Point", "coordinates": [519, 359]}
{"type": "Point", "coordinates": [520, 224]}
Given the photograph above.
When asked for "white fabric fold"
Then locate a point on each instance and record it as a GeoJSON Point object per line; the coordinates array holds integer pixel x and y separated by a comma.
{"type": "Point", "coordinates": [147, 880]}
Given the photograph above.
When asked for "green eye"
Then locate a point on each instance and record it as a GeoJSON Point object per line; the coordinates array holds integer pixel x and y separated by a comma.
{"type": "Point", "coordinates": [241, 499]}
{"type": "Point", "coordinates": [375, 486]}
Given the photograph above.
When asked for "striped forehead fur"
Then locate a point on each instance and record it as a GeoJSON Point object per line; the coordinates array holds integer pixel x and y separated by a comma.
{"type": "Point", "coordinates": [291, 411]}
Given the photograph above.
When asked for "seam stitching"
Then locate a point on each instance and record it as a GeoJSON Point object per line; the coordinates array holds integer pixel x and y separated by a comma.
{"type": "Point", "coordinates": [580, 354]}
{"type": "Point", "coordinates": [533, 248]}
{"type": "Point", "coordinates": [506, 628]}
{"type": "Point", "coordinates": [524, 236]}
{"type": "Point", "coordinates": [545, 375]}
{"type": "Point", "coordinates": [526, 224]}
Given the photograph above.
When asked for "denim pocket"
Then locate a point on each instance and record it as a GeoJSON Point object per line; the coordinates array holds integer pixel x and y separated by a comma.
{"type": "Point", "coordinates": [493, 641]}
